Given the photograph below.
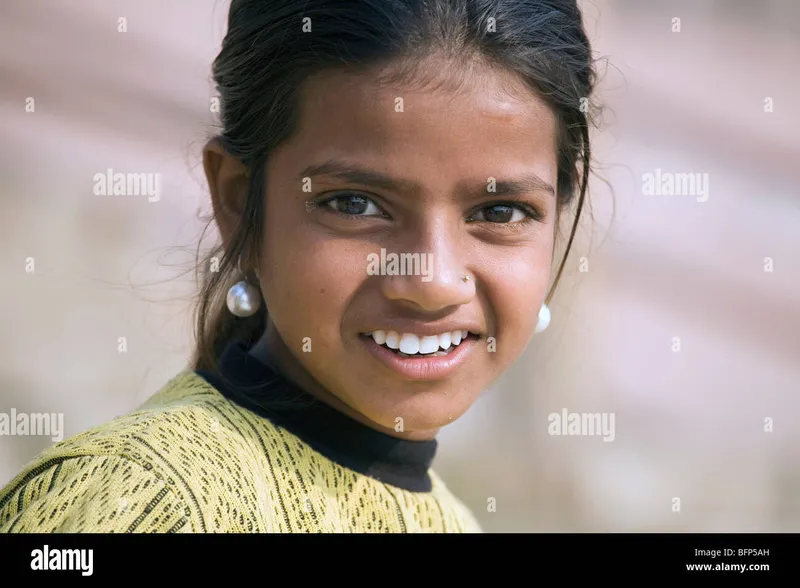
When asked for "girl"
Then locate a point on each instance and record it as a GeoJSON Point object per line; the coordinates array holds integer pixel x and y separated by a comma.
{"type": "Point", "coordinates": [387, 185]}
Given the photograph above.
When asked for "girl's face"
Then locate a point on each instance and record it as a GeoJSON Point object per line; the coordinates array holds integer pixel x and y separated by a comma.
{"type": "Point", "coordinates": [376, 210]}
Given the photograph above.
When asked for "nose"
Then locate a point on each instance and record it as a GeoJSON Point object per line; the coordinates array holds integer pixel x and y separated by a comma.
{"type": "Point", "coordinates": [430, 277]}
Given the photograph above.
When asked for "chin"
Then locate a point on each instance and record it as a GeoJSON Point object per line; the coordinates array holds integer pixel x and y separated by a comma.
{"type": "Point", "coordinates": [424, 411]}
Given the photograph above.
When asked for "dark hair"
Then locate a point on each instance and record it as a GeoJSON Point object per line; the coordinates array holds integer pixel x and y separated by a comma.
{"type": "Point", "coordinates": [272, 47]}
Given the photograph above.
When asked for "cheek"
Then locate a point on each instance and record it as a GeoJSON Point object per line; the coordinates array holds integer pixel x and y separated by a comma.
{"type": "Point", "coordinates": [517, 287]}
{"type": "Point", "coordinates": [307, 281]}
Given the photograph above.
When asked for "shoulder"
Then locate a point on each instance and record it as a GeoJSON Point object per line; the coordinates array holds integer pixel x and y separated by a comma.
{"type": "Point", "coordinates": [460, 516]}
{"type": "Point", "coordinates": [160, 468]}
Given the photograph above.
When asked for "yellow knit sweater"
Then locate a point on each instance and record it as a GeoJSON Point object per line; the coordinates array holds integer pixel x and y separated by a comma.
{"type": "Point", "coordinates": [191, 460]}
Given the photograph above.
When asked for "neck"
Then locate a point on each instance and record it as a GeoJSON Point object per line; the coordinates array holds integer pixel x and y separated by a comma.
{"type": "Point", "coordinates": [252, 381]}
{"type": "Point", "coordinates": [272, 351]}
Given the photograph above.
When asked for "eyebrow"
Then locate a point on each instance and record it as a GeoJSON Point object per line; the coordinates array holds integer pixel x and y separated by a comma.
{"type": "Point", "coordinates": [358, 174]}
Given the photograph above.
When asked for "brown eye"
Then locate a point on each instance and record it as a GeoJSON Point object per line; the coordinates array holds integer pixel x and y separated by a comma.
{"type": "Point", "coordinates": [501, 213]}
{"type": "Point", "coordinates": [354, 205]}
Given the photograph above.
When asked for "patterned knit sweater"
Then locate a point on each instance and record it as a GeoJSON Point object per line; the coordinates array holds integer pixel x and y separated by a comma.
{"type": "Point", "coordinates": [199, 458]}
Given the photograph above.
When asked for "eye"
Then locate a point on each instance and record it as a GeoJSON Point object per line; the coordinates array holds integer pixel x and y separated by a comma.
{"type": "Point", "coordinates": [503, 213]}
{"type": "Point", "coordinates": [353, 204]}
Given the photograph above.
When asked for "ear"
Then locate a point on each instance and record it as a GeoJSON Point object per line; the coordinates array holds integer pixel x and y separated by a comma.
{"type": "Point", "coordinates": [228, 182]}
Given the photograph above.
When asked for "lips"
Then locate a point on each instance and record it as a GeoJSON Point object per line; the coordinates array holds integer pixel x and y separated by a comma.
{"type": "Point", "coordinates": [440, 365]}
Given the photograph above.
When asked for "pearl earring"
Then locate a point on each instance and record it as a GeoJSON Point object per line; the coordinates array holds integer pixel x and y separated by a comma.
{"type": "Point", "coordinates": [544, 319]}
{"type": "Point", "coordinates": [243, 299]}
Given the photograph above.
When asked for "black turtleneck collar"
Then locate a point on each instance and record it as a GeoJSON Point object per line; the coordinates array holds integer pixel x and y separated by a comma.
{"type": "Point", "coordinates": [255, 386]}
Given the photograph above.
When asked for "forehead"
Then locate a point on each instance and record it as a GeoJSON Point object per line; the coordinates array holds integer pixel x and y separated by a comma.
{"type": "Point", "coordinates": [484, 121]}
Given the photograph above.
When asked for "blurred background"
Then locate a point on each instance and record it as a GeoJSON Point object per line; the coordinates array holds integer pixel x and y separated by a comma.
{"type": "Point", "coordinates": [714, 92]}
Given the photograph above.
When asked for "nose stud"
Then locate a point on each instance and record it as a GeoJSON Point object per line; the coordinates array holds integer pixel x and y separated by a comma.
{"type": "Point", "coordinates": [466, 279]}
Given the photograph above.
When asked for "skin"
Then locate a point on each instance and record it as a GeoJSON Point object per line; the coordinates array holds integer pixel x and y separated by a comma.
{"type": "Point", "coordinates": [313, 264]}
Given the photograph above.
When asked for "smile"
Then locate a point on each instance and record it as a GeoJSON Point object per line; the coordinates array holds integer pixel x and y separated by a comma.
{"type": "Point", "coordinates": [417, 357]}
{"type": "Point", "coordinates": [409, 344]}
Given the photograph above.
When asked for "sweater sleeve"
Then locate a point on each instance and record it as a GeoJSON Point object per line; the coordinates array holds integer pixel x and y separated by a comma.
{"type": "Point", "coordinates": [91, 494]}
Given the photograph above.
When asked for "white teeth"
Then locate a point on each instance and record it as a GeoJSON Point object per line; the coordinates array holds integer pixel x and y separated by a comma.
{"type": "Point", "coordinates": [411, 344]}
{"type": "Point", "coordinates": [392, 340]}
{"type": "Point", "coordinates": [429, 345]}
